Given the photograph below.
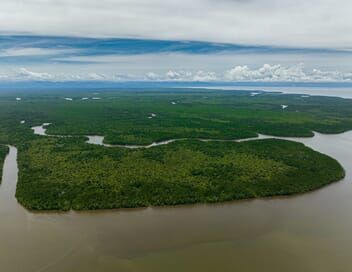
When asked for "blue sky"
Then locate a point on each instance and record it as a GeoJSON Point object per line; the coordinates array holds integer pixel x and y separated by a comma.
{"type": "Point", "coordinates": [205, 40]}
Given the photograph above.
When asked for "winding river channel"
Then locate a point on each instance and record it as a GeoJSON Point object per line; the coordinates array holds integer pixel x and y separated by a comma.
{"type": "Point", "coordinates": [309, 232]}
{"type": "Point", "coordinates": [99, 140]}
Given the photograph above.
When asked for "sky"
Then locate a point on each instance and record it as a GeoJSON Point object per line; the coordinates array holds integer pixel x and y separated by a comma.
{"type": "Point", "coordinates": [158, 40]}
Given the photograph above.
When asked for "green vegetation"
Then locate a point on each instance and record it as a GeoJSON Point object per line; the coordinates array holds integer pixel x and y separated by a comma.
{"type": "Point", "coordinates": [65, 173]}
{"type": "Point", "coordinates": [122, 116]}
{"type": "Point", "coordinates": [3, 152]}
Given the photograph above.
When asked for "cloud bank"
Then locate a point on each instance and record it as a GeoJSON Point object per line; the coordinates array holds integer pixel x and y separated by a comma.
{"type": "Point", "coordinates": [277, 72]}
{"type": "Point", "coordinates": [300, 23]}
{"type": "Point", "coordinates": [265, 73]}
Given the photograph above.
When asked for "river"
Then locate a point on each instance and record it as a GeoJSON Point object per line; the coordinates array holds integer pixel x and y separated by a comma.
{"type": "Point", "coordinates": [309, 232]}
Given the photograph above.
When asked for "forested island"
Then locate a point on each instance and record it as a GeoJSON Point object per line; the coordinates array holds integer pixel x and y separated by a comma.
{"type": "Point", "coordinates": [63, 173]}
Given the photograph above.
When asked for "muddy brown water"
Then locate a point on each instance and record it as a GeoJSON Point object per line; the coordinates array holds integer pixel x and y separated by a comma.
{"type": "Point", "coordinates": [309, 232]}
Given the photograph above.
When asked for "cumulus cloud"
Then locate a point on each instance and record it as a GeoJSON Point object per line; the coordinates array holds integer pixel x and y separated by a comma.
{"type": "Point", "coordinates": [178, 75]}
{"type": "Point", "coordinates": [276, 72]}
{"type": "Point", "coordinates": [319, 23]}
{"type": "Point", "coordinates": [265, 73]}
{"type": "Point", "coordinates": [152, 76]}
{"type": "Point", "coordinates": [318, 75]}
{"type": "Point", "coordinates": [173, 75]}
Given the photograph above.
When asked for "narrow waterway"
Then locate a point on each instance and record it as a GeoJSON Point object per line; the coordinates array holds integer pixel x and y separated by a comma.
{"type": "Point", "coordinates": [99, 140]}
{"type": "Point", "coordinates": [309, 232]}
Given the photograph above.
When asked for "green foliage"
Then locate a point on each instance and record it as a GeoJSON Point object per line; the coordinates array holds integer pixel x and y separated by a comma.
{"type": "Point", "coordinates": [3, 152]}
{"type": "Point", "coordinates": [64, 174]}
{"type": "Point", "coordinates": [67, 173]}
{"type": "Point", "coordinates": [122, 116]}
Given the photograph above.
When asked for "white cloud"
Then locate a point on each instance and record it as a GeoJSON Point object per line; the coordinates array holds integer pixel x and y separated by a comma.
{"type": "Point", "coordinates": [265, 73]}
{"type": "Point", "coordinates": [320, 23]}
{"type": "Point", "coordinates": [189, 76]}
{"type": "Point", "coordinates": [143, 64]}
{"type": "Point", "coordinates": [178, 75]}
{"type": "Point", "coordinates": [32, 51]}
{"type": "Point", "coordinates": [97, 76]}
{"type": "Point", "coordinates": [296, 73]}
{"type": "Point", "coordinates": [152, 76]}
{"type": "Point", "coordinates": [318, 75]}
{"type": "Point", "coordinates": [204, 76]}
{"type": "Point", "coordinates": [24, 73]}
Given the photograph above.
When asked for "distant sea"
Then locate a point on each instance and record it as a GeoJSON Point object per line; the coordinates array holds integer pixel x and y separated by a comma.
{"type": "Point", "coordinates": [324, 89]}
{"type": "Point", "coordinates": [344, 92]}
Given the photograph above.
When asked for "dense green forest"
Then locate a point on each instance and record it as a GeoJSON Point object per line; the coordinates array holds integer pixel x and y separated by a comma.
{"type": "Point", "coordinates": [125, 116]}
{"type": "Point", "coordinates": [65, 173]}
{"type": "Point", "coordinates": [3, 152]}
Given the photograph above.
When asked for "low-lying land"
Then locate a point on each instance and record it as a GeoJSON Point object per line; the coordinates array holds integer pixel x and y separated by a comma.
{"type": "Point", "coordinates": [63, 173]}
{"type": "Point", "coordinates": [67, 173]}
{"type": "Point", "coordinates": [3, 152]}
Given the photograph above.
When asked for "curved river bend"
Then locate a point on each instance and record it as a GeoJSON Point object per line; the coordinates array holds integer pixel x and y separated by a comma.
{"type": "Point", "coordinates": [309, 232]}
{"type": "Point", "coordinates": [99, 140]}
